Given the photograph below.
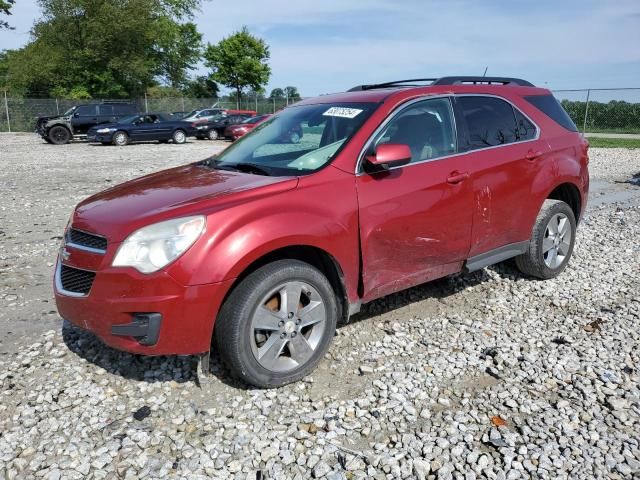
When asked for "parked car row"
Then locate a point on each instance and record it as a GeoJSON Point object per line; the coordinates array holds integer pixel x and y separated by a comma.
{"type": "Point", "coordinates": [120, 123]}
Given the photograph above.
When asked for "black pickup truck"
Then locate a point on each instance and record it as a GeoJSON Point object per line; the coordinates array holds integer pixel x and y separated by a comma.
{"type": "Point", "coordinates": [77, 121]}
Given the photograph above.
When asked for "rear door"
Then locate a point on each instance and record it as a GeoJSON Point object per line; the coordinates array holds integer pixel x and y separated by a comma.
{"type": "Point", "coordinates": [415, 220]}
{"type": "Point", "coordinates": [505, 152]}
{"type": "Point", "coordinates": [105, 114]}
{"type": "Point", "coordinates": [162, 128]}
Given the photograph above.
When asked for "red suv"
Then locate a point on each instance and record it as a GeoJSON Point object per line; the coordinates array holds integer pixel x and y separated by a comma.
{"type": "Point", "coordinates": [263, 248]}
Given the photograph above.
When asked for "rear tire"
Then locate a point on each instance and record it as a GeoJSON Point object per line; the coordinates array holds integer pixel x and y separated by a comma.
{"type": "Point", "coordinates": [120, 139]}
{"type": "Point", "coordinates": [267, 340]}
{"type": "Point", "coordinates": [179, 137]}
{"type": "Point", "coordinates": [59, 135]}
{"type": "Point", "coordinates": [213, 134]}
{"type": "Point", "coordinates": [552, 241]}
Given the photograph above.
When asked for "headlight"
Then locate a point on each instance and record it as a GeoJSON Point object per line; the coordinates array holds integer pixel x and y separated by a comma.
{"type": "Point", "coordinates": [105, 130]}
{"type": "Point", "coordinates": [153, 247]}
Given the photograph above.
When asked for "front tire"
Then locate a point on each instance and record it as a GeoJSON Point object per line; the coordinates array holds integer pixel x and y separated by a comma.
{"type": "Point", "coordinates": [120, 139]}
{"type": "Point", "coordinates": [59, 135]}
{"type": "Point", "coordinates": [552, 241]}
{"type": "Point", "coordinates": [277, 324]}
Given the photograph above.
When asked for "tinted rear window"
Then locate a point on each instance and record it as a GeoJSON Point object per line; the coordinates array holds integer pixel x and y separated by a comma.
{"type": "Point", "coordinates": [86, 110]}
{"type": "Point", "coordinates": [105, 110]}
{"type": "Point", "coordinates": [552, 108]}
{"type": "Point", "coordinates": [490, 121]}
{"type": "Point", "coordinates": [124, 109]}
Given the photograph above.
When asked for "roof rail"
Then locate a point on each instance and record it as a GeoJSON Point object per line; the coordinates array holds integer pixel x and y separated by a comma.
{"type": "Point", "coordinates": [446, 81]}
{"type": "Point", "coordinates": [482, 80]}
{"type": "Point", "coordinates": [396, 83]}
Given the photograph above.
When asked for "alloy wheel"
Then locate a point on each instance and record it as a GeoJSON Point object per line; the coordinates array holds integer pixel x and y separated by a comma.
{"type": "Point", "coordinates": [120, 138]}
{"type": "Point", "coordinates": [179, 137]}
{"type": "Point", "coordinates": [557, 240]}
{"type": "Point", "coordinates": [287, 326]}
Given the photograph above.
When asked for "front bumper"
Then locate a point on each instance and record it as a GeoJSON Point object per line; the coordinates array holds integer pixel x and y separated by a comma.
{"type": "Point", "coordinates": [100, 137]}
{"type": "Point", "coordinates": [124, 308]}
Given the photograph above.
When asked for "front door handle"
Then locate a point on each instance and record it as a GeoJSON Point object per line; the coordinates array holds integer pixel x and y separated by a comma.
{"type": "Point", "coordinates": [457, 177]}
{"type": "Point", "coordinates": [531, 155]}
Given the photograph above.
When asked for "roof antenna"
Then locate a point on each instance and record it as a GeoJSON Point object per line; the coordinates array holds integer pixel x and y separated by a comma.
{"type": "Point", "coordinates": [485, 71]}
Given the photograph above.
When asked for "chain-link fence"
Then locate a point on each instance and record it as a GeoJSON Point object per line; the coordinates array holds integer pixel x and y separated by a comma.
{"type": "Point", "coordinates": [615, 110]}
{"type": "Point", "coordinates": [19, 114]}
{"type": "Point", "coordinates": [598, 110]}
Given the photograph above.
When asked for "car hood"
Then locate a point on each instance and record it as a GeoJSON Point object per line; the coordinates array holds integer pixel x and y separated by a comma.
{"type": "Point", "coordinates": [105, 125]}
{"type": "Point", "coordinates": [181, 191]}
{"type": "Point", "coordinates": [53, 118]}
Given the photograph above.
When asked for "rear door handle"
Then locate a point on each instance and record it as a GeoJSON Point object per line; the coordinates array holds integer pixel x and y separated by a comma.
{"type": "Point", "coordinates": [457, 177]}
{"type": "Point", "coordinates": [531, 155]}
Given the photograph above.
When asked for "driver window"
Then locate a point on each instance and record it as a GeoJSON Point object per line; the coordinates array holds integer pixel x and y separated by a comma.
{"type": "Point", "coordinates": [427, 127]}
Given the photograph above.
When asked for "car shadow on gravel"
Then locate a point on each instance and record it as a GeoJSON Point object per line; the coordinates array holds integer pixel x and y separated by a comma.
{"type": "Point", "coordinates": [442, 289]}
{"type": "Point", "coordinates": [151, 369]}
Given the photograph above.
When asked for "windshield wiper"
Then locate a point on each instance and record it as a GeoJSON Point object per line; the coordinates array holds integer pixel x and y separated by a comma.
{"type": "Point", "coordinates": [240, 167]}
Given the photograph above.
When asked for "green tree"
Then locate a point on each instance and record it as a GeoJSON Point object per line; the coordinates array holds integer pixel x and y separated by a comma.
{"type": "Point", "coordinates": [276, 94]}
{"type": "Point", "coordinates": [5, 9]}
{"type": "Point", "coordinates": [292, 94]}
{"type": "Point", "coordinates": [239, 61]}
{"type": "Point", "coordinates": [201, 87]}
{"type": "Point", "coordinates": [109, 48]}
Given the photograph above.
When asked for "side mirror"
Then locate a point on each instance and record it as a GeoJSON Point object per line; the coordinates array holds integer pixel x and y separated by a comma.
{"type": "Point", "coordinates": [76, 114]}
{"type": "Point", "coordinates": [389, 155]}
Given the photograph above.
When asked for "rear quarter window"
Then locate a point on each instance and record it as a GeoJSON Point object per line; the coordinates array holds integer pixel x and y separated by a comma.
{"type": "Point", "coordinates": [548, 105]}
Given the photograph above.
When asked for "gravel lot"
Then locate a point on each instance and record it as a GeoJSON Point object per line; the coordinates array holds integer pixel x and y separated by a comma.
{"type": "Point", "coordinates": [480, 375]}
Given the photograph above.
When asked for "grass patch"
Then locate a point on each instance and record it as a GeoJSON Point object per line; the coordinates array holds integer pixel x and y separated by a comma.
{"type": "Point", "coordinates": [599, 142]}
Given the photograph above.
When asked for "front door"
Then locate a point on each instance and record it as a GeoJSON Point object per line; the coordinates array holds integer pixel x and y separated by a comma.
{"type": "Point", "coordinates": [415, 220]}
{"type": "Point", "coordinates": [84, 117]}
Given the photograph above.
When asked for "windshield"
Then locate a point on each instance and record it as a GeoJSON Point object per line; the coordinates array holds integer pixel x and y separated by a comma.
{"type": "Point", "coordinates": [69, 112]}
{"type": "Point", "coordinates": [297, 141]}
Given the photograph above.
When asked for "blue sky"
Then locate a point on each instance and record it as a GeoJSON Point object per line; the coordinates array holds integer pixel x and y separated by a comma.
{"type": "Point", "coordinates": [331, 45]}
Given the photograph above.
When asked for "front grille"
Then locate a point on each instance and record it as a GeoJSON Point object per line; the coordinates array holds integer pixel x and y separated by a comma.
{"type": "Point", "coordinates": [75, 280]}
{"type": "Point", "coordinates": [84, 239]}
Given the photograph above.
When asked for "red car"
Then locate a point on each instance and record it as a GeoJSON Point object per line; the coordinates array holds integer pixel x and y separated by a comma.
{"type": "Point", "coordinates": [234, 132]}
{"type": "Point", "coordinates": [262, 249]}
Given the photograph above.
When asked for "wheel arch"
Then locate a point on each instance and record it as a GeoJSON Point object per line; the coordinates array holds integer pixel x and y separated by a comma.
{"type": "Point", "coordinates": [60, 124]}
{"type": "Point", "coordinates": [569, 193]}
{"type": "Point", "coordinates": [314, 256]}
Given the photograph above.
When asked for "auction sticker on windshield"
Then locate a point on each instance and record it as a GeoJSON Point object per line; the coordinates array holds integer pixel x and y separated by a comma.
{"type": "Point", "coordinates": [342, 112]}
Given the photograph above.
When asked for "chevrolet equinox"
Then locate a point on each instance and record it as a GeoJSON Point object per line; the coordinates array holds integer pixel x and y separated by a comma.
{"type": "Point", "coordinates": [260, 250]}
